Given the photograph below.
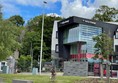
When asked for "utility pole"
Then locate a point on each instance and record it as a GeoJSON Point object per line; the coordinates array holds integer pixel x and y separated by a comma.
{"type": "Point", "coordinates": [44, 2]}
{"type": "Point", "coordinates": [31, 53]}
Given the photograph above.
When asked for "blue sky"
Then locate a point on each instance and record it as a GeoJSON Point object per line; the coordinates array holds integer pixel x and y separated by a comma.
{"type": "Point", "coordinates": [65, 8]}
{"type": "Point", "coordinates": [28, 11]}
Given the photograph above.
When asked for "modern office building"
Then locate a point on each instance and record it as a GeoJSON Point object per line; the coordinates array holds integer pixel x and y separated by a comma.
{"type": "Point", "coordinates": [72, 39]}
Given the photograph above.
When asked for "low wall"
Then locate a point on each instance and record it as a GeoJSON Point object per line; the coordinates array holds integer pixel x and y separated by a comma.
{"type": "Point", "coordinates": [72, 68]}
{"type": "Point", "coordinates": [21, 81]}
{"type": "Point", "coordinates": [1, 80]}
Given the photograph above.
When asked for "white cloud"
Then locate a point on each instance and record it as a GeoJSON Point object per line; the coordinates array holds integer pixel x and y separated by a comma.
{"type": "Point", "coordinates": [69, 7]}
{"type": "Point", "coordinates": [75, 7]}
{"type": "Point", "coordinates": [110, 3]}
{"type": "Point", "coordinates": [9, 8]}
{"type": "Point", "coordinates": [34, 2]}
{"type": "Point", "coordinates": [53, 15]}
{"type": "Point", "coordinates": [29, 2]}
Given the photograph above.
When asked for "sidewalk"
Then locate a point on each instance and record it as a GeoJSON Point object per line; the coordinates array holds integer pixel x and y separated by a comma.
{"type": "Point", "coordinates": [43, 73]}
{"type": "Point", "coordinates": [99, 77]}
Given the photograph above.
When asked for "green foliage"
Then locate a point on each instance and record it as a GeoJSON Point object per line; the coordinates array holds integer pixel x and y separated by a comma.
{"type": "Point", "coordinates": [106, 14]}
{"type": "Point", "coordinates": [17, 20]}
{"type": "Point", "coordinates": [34, 38]}
{"type": "Point", "coordinates": [104, 45]}
{"type": "Point", "coordinates": [24, 63]}
{"type": "Point", "coordinates": [35, 64]}
{"type": "Point", "coordinates": [33, 34]}
{"type": "Point", "coordinates": [42, 78]}
{"type": "Point", "coordinates": [8, 38]}
{"type": "Point", "coordinates": [59, 79]}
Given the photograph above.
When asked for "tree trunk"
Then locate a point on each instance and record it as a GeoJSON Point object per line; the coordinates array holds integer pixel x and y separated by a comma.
{"type": "Point", "coordinates": [108, 70]}
{"type": "Point", "coordinates": [108, 73]}
{"type": "Point", "coordinates": [101, 71]}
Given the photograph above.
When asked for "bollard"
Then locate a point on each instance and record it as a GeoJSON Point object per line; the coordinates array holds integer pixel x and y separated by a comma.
{"type": "Point", "coordinates": [34, 71]}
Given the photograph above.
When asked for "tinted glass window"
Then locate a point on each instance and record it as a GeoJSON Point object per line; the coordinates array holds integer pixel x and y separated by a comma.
{"type": "Point", "coordinates": [56, 34]}
{"type": "Point", "coordinates": [56, 48]}
{"type": "Point", "coordinates": [116, 48]}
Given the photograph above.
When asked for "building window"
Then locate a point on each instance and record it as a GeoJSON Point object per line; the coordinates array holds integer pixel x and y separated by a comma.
{"type": "Point", "coordinates": [56, 48]}
{"type": "Point", "coordinates": [73, 49]}
{"type": "Point", "coordinates": [56, 34]}
{"type": "Point", "coordinates": [116, 36]}
{"type": "Point", "coordinates": [90, 67]}
{"type": "Point", "coordinates": [116, 48]}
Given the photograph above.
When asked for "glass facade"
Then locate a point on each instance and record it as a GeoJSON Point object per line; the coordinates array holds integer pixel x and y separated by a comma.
{"type": "Point", "coordinates": [73, 49]}
{"type": "Point", "coordinates": [83, 33]}
{"type": "Point", "coordinates": [86, 34]}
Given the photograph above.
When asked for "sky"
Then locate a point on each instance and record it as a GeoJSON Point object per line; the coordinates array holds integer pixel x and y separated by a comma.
{"type": "Point", "coordinates": [64, 8]}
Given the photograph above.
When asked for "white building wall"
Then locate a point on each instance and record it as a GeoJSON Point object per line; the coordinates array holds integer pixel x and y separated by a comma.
{"type": "Point", "coordinates": [115, 41]}
{"type": "Point", "coordinates": [54, 55]}
{"type": "Point", "coordinates": [0, 67]}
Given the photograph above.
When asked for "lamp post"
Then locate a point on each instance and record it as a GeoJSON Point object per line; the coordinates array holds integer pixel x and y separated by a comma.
{"type": "Point", "coordinates": [31, 53]}
{"type": "Point", "coordinates": [44, 2]}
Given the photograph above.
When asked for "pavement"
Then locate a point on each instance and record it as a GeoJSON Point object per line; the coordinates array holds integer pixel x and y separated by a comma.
{"type": "Point", "coordinates": [43, 73]}
{"type": "Point", "coordinates": [103, 77]}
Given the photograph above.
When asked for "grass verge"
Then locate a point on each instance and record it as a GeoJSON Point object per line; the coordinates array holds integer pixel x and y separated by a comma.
{"type": "Point", "coordinates": [7, 78]}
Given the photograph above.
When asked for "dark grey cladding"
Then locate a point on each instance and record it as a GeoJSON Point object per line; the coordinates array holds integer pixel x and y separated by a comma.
{"type": "Point", "coordinates": [107, 27]}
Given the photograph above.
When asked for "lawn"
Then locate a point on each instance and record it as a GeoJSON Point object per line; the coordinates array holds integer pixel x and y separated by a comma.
{"type": "Point", "coordinates": [59, 79]}
{"type": "Point", "coordinates": [39, 79]}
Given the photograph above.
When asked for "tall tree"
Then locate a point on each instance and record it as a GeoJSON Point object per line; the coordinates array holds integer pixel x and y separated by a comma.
{"type": "Point", "coordinates": [104, 47]}
{"type": "Point", "coordinates": [34, 26]}
{"type": "Point", "coordinates": [17, 20]}
{"type": "Point", "coordinates": [106, 14]}
{"type": "Point", "coordinates": [8, 38]}
{"type": "Point", "coordinates": [31, 39]}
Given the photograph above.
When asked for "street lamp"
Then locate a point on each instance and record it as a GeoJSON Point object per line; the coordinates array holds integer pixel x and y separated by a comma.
{"type": "Point", "coordinates": [31, 53]}
{"type": "Point", "coordinates": [44, 2]}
